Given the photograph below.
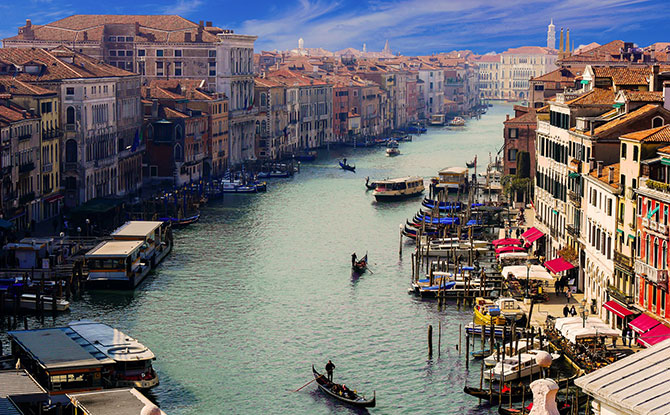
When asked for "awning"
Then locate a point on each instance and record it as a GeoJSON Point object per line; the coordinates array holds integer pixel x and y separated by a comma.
{"type": "Point", "coordinates": [650, 214]}
{"type": "Point", "coordinates": [573, 174]}
{"type": "Point", "coordinates": [505, 249]}
{"type": "Point", "coordinates": [54, 198]}
{"type": "Point", "coordinates": [655, 335]}
{"type": "Point", "coordinates": [558, 265]}
{"type": "Point", "coordinates": [506, 242]}
{"type": "Point", "coordinates": [643, 323]}
{"type": "Point", "coordinates": [617, 309]}
{"type": "Point", "coordinates": [532, 235]}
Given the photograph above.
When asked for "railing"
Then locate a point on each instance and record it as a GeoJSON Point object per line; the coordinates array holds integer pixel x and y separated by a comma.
{"type": "Point", "coordinates": [47, 168]}
{"type": "Point", "coordinates": [575, 197]}
{"type": "Point", "coordinates": [26, 167]}
{"type": "Point", "coordinates": [49, 134]}
{"type": "Point", "coordinates": [663, 228]}
{"type": "Point", "coordinates": [25, 137]}
{"type": "Point", "coordinates": [657, 276]}
{"type": "Point", "coordinates": [573, 230]}
{"type": "Point", "coordinates": [28, 197]}
{"type": "Point", "coordinates": [70, 127]}
{"type": "Point", "coordinates": [70, 166]}
{"type": "Point", "coordinates": [645, 222]}
{"type": "Point", "coordinates": [620, 296]}
{"type": "Point", "coordinates": [623, 260]}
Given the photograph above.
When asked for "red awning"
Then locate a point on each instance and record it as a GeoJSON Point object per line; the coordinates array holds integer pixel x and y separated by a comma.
{"type": "Point", "coordinates": [532, 235]}
{"type": "Point", "coordinates": [54, 198]}
{"type": "Point", "coordinates": [504, 249]}
{"type": "Point", "coordinates": [506, 242]}
{"type": "Point", "coordinates": [617, 309]}
{"type": "Point", "coordinates": [643, 323]}
{"type": "Point", "coordinates": [655, 335]}
{"type": "Point", "coordinates": [558, 265]}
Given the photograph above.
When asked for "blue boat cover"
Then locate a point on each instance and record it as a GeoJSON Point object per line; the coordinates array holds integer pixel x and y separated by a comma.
{"type": "Point", "coordinates": [447, 286]}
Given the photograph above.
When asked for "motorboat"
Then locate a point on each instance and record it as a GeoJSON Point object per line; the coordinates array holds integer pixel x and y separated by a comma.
{"type": "Point", "coordinates": [457, 122]}
{"type": "Point", "coordinates": [510, 351]}
{"type": "Point", "coordinates": [518, 367]}
{"type": "Point", "coordinates": [400, 188]}
{"type": "Point", "coordinates": [437, 119]}
{"type": "Point", "coordinates": [487, 312]}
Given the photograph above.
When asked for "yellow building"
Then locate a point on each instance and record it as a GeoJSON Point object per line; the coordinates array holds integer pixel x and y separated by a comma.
{"type": "Point", "coordinates": [43, 103]}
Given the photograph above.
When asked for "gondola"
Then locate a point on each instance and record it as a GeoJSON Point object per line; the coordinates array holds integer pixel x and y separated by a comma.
{"type": "Point", "coordinates": [361, 265]}
{"type": "Point", "coordinates": [481, 354]}
{"type": "Point", "coordinates": [370, 185]}
{"type": "Point", "coordinates": [470, 164]}
{"type": "Point", "coordinates": [180, 223]}
{"type": "Point", "coordinates": [564, 407]}
{"type": "Point", "coordinates": [338, 391]}
{"type": "Point", "coordinates": [347, 167]}
{"type": "Point", "coordinates": [517, 393]}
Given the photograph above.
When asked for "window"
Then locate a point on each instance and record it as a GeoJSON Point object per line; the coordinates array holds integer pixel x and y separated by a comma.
{"type": "Point", "coordinates": [69, 115]}
{"type": "Point", "coordinates": [624, 147]}
{"type": "Point", "coordinates": [112, 38]}
{"type": "Point", "coordinates": [513, 133]}
{"type": "Point", "coordinates": [121, 53]}
{"type": "Point", "coordinates": [159, 69]}
{"type": "Point", "coordinates": [512, 154]}
{"type": "Point", "coordinates": [177, 69]}
{"type": "Point", "coordinates": [141, 52]}
{"type": "Point", "coordinates": [129, 38]}
{"type": "Point", "coordinates": [159, 52]}
{"type": "Point", "coordinates": [657, 122]}
{"type": "Point", "coordinates": [177, 52]}
{"type": "Point", "coordinates": [69, 91]}
{"type": "Point", "coordinates": [636, 150]}
{"type": "Point", "coordinates": [112, 53]}
{"type": "Point", "coordinates": [212, 54]}
{"type": "Point", "coordinates": [212, 68]}
{"type": "Point", "coordinates": [609, 207]}
{"type": "Point", "coordinates": [129, 53]}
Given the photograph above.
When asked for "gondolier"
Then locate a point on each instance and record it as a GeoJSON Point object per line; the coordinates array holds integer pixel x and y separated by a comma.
{"type": "Point", "coordinates": [330, 366]}
{"type": "Point", "coordinates": [353, 259]}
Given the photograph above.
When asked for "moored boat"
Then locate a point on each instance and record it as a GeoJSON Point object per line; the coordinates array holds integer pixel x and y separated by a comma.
{"type": "Point", "coordinates": [306, 156]}
{"type": "Point", "coordinates": [403, 187]}
{"type": "Point", "coordinates": [437, 119]}
{"type": "Point", "coordinates": [342, 393]}
{"type": "Point", "coordinates": [181, 222]}
{"type": "Point", "coordinates": [517, 367]}
{"type": "Point", "coordinates": [116, 264]}
{"type": "Point", "coordinates": [457, 122]}
{"type": "Point", "coordinates": [514, 393]}
{"type": "Point", "coordinates": [156, 235]}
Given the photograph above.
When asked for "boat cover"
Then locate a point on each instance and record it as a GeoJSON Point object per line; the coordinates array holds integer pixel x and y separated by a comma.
{"type": "Point", "coordinates": [643, 323]}
{"type": "Point", "coordinates": [446, 286]}
{"type": "Point", "coordinates": [537, 272]}
{"type": "Point", "coordinates": [617, 309]}
{"type": "Point", "coordinates": [558, 265]}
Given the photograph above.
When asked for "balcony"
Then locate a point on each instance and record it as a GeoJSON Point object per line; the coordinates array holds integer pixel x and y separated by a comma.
{"type": "Point", "coordinates": [25, 137]}
{"type": "Point", "coordinates": [575, 198]}
{"type": "Point", "coordinates": [27, 198]}
{"type": "Point", "coordinates": [26, 167]}
{"type": "Point", "coordinates": [657, 276]}
{"type": "Point", "coordinates": [70, 127]}
{"type": "Point", "coordinates": [221, 153]}
{"type": "Point", "coordinates": [620, 296]}
{"type": "Point", "coordinates": [50, 134]}
{"type": "Point", "coordinates": [623, 261]}
{"type": "Point", "coordinates": [573, 230]}
{"type": "Point", "coordinates": [69, 166]}
{"type": "Point", "coordinates": [47, 168]}
{"type": "Point", "coordinates": [543, 127]}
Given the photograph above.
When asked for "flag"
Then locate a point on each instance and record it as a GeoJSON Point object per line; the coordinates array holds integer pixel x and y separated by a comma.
{"type": "Point", "coordinates": [137, 141]}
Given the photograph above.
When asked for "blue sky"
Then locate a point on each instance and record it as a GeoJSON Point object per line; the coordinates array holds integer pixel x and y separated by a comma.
{"type": "Point", "coordinates": [412, 26]}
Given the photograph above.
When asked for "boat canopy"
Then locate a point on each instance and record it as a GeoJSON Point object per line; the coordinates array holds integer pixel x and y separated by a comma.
{"type": "Point", "coordinates": [137, 228]}
{"type": "Point", "coordinates": [114, 249]}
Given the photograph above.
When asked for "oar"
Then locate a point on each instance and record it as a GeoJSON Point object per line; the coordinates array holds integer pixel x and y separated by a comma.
{"type": "Point", "coordinates": [304, 385]}
{"type": "Point", "coordinates": [368, 268]}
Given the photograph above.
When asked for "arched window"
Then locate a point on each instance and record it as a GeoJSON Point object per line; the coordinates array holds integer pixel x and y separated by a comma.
{"type": "Point", "coordinates": [657, 122]}
{"type": "Point", "coordinates": [646, 250]}
{"type": "Point", "coordinates": [637, 244]}
{"type": "Point", "coordinates": [71, 151]}
{"type": "Point", "coordinates": [655, 252]}
{"type": "Point", "coordinates": [664, 255]}
{"type": "Point", "coordinates": [70, 115]}
{"type": "Point", "coordinates": [263, 100]}
{"type": "Point", "coordinates": [178, 133]}
{"type": "Point", "coordinates": [178, 153]}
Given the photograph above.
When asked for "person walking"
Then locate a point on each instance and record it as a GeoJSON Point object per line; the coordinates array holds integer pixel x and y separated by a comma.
{"type": "Point", "coordinates": [330, 367]}
{"type": "Point", "coordinates": [566, 311]}
{"type": "Point", "coordinates": [558, 287]}
{"type": "Point", "coordinates": [573, 312]}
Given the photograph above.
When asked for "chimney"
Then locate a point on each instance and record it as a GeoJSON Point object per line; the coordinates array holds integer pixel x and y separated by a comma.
{"type": "Point", "coordinates": [208, 24]}
{"type": "Point", "coordinates": [666, 95]}
{"type": "Point", "coordinates": [198, 36]}
{"type": "Point", "coordinates": [137, 28]}
{"type": "Point", "coordinates": [592, 164]}
{"type": "Point", "coordinates": [28, 30]}
{"type": "Point", "coordinates": [599, 163]}
{"type": "Point", "coordinates": [187, 37]}
{"type": "Point", "coordinates": [610, 175]}
{"type": "Point", "coordinates": [506, 117]}
{"type": "Point", "coordinates": [653, 82]}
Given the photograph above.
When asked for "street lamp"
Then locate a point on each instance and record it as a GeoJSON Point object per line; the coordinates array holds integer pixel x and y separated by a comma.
{"type": "Point", "coordinates": [527, 278]}
{"type": "Point", "coordinates": [79, 232]}
{"type": "Point", "coordinates": [584, 312]}
{"type": "Point", "coordinates": [88, 227]}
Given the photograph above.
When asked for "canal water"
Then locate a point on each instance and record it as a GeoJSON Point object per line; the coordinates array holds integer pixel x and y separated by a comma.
{"type": "Point", "coordinates": [261, 288]}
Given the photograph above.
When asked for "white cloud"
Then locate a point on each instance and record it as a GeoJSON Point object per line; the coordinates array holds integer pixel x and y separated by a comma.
{"type": "Point", "coordinates": [421, 25]}
{"type": "Point", "coordinates": [182, 7]}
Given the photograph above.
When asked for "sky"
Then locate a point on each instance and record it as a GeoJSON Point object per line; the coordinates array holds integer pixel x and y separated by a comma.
{"type": "Point", "coordinates": [412, 26]}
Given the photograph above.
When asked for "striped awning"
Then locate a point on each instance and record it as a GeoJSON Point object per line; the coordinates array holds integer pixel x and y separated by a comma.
{"type": "Point", "coordinates": [643, 323]}
{"type": "Point", "coordinates": [655, 335]}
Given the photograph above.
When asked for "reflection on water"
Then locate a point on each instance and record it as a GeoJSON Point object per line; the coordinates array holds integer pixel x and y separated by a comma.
{"type": "Point", "coordinates": [261, 289]}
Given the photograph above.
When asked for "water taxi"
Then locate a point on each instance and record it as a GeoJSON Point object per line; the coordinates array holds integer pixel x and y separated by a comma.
{"type": "Point", "coordinates": [392, 148]}
{"type": "Point", "coordinates": [483, 310]}
{"type": "Point", "coordinates": [437, 119]}
{"type": "Point", "coordinates": [509, 351]}
{"type": "Point", "coordinates": [457, 122]}
{"type": "Point", "coordinates": [393, 189]}
{"type": "Point", "coordinates": [132, 360]}
{"type": "Point", "coordinates": [452, 179]}
{"type": "Point", "coordinates": [116, 264]}
{"type": "Point", "coordinates": [155, 235]}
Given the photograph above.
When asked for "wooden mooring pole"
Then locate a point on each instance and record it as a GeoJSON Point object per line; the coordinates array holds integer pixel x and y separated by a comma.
{"type": "Point", "coordinates": [430, 341]}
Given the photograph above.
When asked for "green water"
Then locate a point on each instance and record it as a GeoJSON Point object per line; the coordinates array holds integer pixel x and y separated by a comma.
{"type": "Point", "coordinates": [261, 288]}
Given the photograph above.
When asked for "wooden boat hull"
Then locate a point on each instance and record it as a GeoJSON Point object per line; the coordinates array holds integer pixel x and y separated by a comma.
{"type": "Point", "coordinates": [347, 167]}
{"type": "Point", "coordinates": [494, 395]}
{"type": "Point", "coordinates": [180, 223]}
{"type": "Point", "coordinates": [326, 387]}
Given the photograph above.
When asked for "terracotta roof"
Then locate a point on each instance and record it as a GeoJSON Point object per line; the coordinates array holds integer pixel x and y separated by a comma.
{"type": "Point", "coordinates": [290, 78]}
{"type": "Point", "coordinates": [530, 50]}
{"type": "Point", "coordinates": [654, 135]}
{"type": "Point", "coordinates": [642, 96]}
{"type": "Point", "coordinates": [152, 28]}
{"type": "Point", "coordinates": [604, 177]}
{"type": "Point", "coordinates": [13, 86]}
{"type": "Point", "coordinates": [607, 52]}
{"type": "Point", "coordinates": [55, 68]}
{"type": "Point", "coordinates": [623, 76]}
{"type": "Point", "coordinates": [173, 113]}
{"type": "Point", "coordinates": [13, 113]}
{"type": "Point", "coordinates": [527, 118]}
{"type": "Point", "coordinates": [488, 58]}
{"type": "Point", "coordinates": [664, 150]}
{"type": "Point", "coordinates": [625, 119]}
{"type": "Point", "coordinates": [557, 75]}
{"type": "Point", "coordinates": [178, 89]}
{"type": "Point", "coordinates": [595, 97]}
